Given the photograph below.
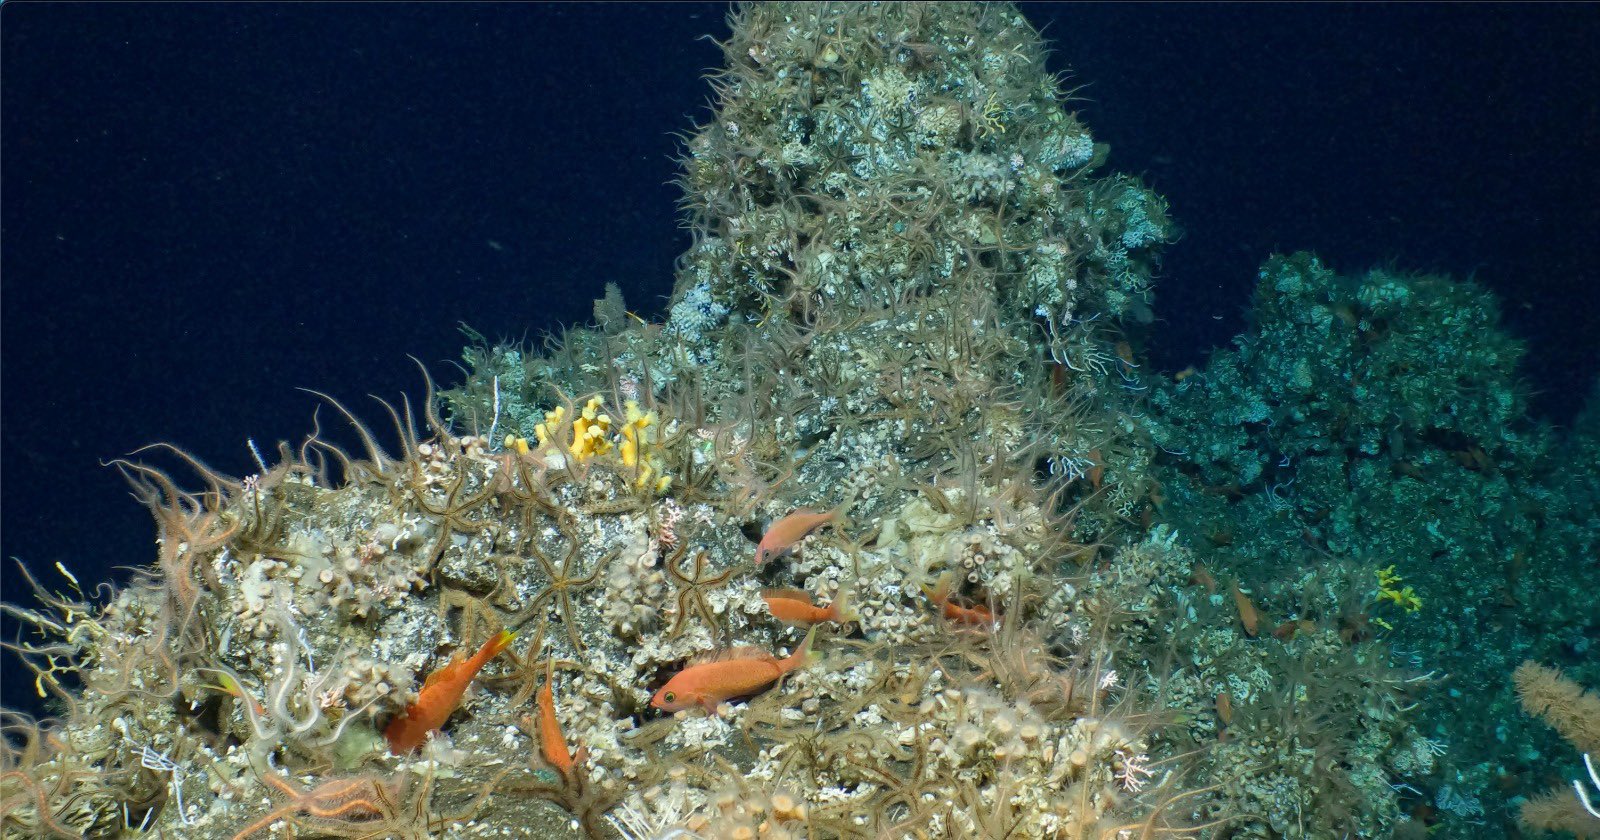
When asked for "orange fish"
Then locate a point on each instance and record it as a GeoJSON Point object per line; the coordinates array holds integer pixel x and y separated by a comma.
{"type": "Point", "coordinates": [739, 672]}
{"type": "Point", "coordinates": [440, 695]}
{"type": "Point", "coordinates": [793, 606]}
{"type": "Point", "coordinates": [1247, 612]}
{"type": "Point", "coordinates": [552, 744]}
{"type": "Point", "coordinates": [1290, 629]}
{"type": "Point", "coordinates": [793, 528]}
{"type": "Point", "coordinates": [1097, 473]}
{"type": "Point", "coordinates": [939, 594]}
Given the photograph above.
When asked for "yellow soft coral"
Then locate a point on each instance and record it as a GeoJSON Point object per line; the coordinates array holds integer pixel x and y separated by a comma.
{"type": "Point", "coordinates": [637, 438]}
{"type": "Point", "coordinates": [634, 433]}
{"type": "Point", "coordinates": [592, 435]}
{"type": "Point", "coordinates": [546, 431]}
{"type": "Point", "coordinates": [1389, 589]}
{"type": "Point", "coordinates": [589, 431]}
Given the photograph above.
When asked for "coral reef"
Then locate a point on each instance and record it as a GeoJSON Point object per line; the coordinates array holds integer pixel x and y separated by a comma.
{"type": "Point", "coordinates": [899, 301]}
{"type": "Point", "coordinates": [1362, 461]}
{"type": "Point", "coordinates": [911, 302]}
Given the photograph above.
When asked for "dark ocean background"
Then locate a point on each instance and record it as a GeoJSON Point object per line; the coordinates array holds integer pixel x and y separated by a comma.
{"type": "Point", "coordinates": [206, 207]}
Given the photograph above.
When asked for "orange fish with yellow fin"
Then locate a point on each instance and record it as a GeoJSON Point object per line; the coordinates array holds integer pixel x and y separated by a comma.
{"type": "Point", "coordinates": [552, 744]}
{"type": "Point", "coordinates": [440, 695]}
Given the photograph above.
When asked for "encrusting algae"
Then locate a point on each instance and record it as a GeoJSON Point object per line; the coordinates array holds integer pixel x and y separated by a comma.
{"type": "Point", "coordinates": [905, 290]}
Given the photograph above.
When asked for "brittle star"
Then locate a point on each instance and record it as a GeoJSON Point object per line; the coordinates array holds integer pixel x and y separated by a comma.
{"type": "Point", "coordinates": [562, 585]}
{"type": "Point", "coordinates": [692, 590]}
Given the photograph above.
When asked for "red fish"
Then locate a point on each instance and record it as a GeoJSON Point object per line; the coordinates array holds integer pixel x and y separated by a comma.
{"type": "Point", "coordinates": [552, 744]}
{"type": "Point", "coordinates": [739, 672]}
{"type": "Point", "coordinates": [793, 606]}
{"type": "Point", "coordinates": [793, 528]}
{"type": "Point", "coordinates": [440, 695]}
{"type": "Point", "coordinates": [939, 594]}
{"type": "Point", "coordinates": [1247, 612]}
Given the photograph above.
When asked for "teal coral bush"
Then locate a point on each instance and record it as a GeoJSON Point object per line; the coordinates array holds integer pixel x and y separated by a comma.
{"type": "Point", "coordinates": [1364, 365]}
{"type": "Point", "coordinates": [1380, 413]}
{"type": "Point", "coordinates": [1563, 566]}
{"type": "Point", "coordinates": [1374, 425]}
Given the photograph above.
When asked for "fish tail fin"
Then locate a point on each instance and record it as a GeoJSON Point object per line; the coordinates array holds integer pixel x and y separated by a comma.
{"type": "Point", "coordinates": [546, 696]}
{"type": "Point", "coordinates": [500, 642]}
{"type": "Point", "coordinates": [844, 609]}
{"type": "Point", "coordinates": [228, 682]}
{"type": "Point", "coordinates": [492, 648]}
{"type": "Point", "coordinates": [805, 654]}
{"type": "Point", "coordinates": [839, 517]}
{"type": "Point", "coordinates": [939, 592]}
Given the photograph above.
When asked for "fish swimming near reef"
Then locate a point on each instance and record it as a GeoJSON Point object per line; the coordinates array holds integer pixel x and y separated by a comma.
{"type": "Point", "coordinates": [939, 594]}
{"type": "Point", "coordinates": [440, 695]}
{"type": "Point", "coordinates": [795, 527]}
{"type": "Point", "coordinates": [1248, 617]}
{"type": "Point", "coordinates": [793, 606]}
{"type": "Point", "coordinates": [724, 675]}
{"type": "Point", "coordinates": [552, 744]}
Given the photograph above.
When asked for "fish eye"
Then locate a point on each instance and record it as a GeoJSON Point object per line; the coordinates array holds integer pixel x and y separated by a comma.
{"type": "Point", "coordinates": [669, 697]}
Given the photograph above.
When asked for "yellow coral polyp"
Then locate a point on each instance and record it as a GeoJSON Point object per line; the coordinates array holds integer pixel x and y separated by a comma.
{"type": "Point", "coordinates": [634, 436]}
{"type": "Point", "coordinates": [592, 435]}
{"type": "Point", "coordinates": [588, 439]}
{"type": "Point", "coordinates": [660, 484]}
{"type": "Point", "coordinates": [552, 421]}
{"type": "Point", "coordinates": [635, 448]}
{"type": "Point", "coordinates": [1389, 589]}
{"type": "Point", "coordinates": [589, 431]}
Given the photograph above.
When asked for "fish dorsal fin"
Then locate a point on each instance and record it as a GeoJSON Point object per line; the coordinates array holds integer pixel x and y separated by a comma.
{"type": "Point", "coordinates": [790, 594]}
{"type": "Point", "coordinates": [734, 653]}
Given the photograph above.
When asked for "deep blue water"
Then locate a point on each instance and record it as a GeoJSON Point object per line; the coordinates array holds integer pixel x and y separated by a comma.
{"type": "Point", "coordinates": [204, 207]}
